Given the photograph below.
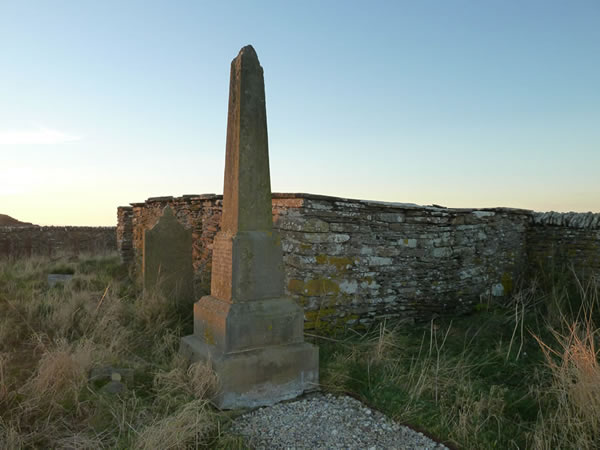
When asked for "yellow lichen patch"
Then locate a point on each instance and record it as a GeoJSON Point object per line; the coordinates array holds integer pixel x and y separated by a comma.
{"type": "Point", "coordinates": [208, 337]}
{"type": "Point", "coordinates": [321, 259]}
{"type": "Point", "coordinates": [341, 263]}
{"type": "Point", "coordinates": [295, 286]}
{"type": "Point", "coordinates": [320, 286]}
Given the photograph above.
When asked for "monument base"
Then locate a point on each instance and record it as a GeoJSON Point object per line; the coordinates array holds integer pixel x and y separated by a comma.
{"type": "Point", "coordinates": [258, 377]}
{"type": "Point", "coordinates": [236, 327]}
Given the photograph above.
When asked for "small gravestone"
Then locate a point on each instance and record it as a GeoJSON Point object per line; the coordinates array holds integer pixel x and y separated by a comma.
{"type": "Point", "coordinates": [167, 260]}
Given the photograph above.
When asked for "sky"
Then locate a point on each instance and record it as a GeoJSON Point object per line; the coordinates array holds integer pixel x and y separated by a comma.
{"type": "Point", "coordinates": [459, 103]}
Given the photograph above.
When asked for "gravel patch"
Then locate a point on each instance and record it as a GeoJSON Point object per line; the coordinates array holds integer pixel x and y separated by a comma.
{"type": "Point", "coordinates": [326, 422]}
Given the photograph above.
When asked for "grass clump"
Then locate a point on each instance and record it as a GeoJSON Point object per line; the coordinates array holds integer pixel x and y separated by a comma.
{"type": "Point", "coordinates": [51, 339]}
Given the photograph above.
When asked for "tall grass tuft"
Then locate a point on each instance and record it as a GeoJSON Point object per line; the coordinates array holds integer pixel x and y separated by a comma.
{"type": "Point", "coordinates": [571, 418]}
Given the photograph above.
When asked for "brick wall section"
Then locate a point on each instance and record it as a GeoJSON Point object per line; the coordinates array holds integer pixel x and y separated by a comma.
{"type": "Point", "coordinates": [49, 241]}
{"type": "Point", "coordinates": [349, 262]}
{"type": "Point", "coordinates": [564, 240]}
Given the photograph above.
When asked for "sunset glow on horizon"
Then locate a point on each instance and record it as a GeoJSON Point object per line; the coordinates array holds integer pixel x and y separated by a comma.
{"type": "Point", "coordinates": [460, 104]}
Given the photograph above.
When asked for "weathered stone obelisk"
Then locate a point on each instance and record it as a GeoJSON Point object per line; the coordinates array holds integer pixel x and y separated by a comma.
{"type": "Point", "coordinates": [249, 331]}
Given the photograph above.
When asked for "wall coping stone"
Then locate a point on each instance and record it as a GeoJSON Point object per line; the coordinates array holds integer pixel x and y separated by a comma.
{"type": "Point", "coordinates": [159, 199]}
{"type": "Point", "coordinates": [550, 218]}
{"type": "Point", "coordinates": [570, 219]}
{"type": "Point", "coordinates": [372, 203]}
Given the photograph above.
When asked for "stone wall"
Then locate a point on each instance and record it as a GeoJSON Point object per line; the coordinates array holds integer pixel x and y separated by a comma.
{"type": "Point", "coordinates": [200, 213]}
{"type": "Point", "coordinates": [349, 262]}
{"type": "Point", "coordinates": [559, 241]}
{"type": "Point", "coordinates": [125, 233]}
{"type": "Point", "coordinates": [49, 241]}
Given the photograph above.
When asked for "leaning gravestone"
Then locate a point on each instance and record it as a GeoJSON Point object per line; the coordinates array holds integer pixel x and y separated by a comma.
{"type": "Point", "coordinates": [167, 258]}
{"type": "Point", "coordinates": [249, 331]}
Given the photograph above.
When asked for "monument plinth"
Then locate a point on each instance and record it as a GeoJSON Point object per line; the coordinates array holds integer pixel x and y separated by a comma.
{"type": "Point", "coordinates": [249, 331]}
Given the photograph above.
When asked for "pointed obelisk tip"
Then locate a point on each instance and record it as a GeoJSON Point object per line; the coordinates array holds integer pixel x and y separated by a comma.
{"type": "Point", "coordinates": [248, 52]}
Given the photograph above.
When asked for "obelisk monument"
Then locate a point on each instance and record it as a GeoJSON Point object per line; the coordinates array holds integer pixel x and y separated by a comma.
{"type": "Point", "coordinates": [249, 331]}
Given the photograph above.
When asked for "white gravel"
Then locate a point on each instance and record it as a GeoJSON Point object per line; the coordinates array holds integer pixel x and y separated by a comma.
{"type": "Point", "coordinates": [326, 422]}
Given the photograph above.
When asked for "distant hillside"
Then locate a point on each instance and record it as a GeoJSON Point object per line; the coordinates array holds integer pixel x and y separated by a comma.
{"type": "Point", "coordinates": [7, 220]}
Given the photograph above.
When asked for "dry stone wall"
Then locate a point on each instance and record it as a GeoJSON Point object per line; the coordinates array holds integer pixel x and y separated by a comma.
{"type": "Point", "coordinates": [349, 262]}
{"type": "Point", "coordinates": [49, 241]}
{"type": "Point", "coordinates": [559, 241]}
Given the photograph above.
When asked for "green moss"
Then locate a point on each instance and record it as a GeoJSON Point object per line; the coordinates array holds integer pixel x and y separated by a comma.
{"type": "Point", "coordinates": [325, 321]}
{"type": "Point", "coordinates": [507, 282]}
{"type": "Point", "coordinates": [63, 269]}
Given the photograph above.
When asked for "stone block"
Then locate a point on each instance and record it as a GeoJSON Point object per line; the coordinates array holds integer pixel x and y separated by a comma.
{"type": "Point", "coordinates": [391, 217]}
{"type": "Point", "coordinates": [234, 327]}
{"type": "Point", "coordinates": [247, 266]}
{"type": "Point", "coordinates": [258, 377]}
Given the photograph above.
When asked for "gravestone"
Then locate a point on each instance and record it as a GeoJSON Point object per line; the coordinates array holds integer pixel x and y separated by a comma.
{"type": "Point", "coordinates": [167, 258]}
{"type": "Point", "coordinates": [249, 331]}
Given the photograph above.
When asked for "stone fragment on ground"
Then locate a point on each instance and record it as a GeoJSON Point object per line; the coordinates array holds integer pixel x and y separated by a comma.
{"type": "Point", "coordinates": [111, 374]}
{"type": "Point", "coordinates": [55, 278]}
{"type": "Point", "coordinates": [114, 386]}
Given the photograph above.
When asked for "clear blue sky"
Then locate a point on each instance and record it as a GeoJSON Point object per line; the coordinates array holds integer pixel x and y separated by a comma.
{"type": "Point", "coordinates": [459, 103]}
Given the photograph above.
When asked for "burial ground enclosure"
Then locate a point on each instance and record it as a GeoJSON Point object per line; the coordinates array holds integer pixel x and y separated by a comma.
{"type": "Point", "coordinates": [351, 262]}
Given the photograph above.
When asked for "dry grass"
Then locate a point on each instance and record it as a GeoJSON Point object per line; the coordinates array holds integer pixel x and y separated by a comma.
{"type": "Point", "coordinates": [574, 390]}
{"type": "Point", "coordinates": [50, 339]}
{"type": "Point", "coordinates": [186, 428]}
